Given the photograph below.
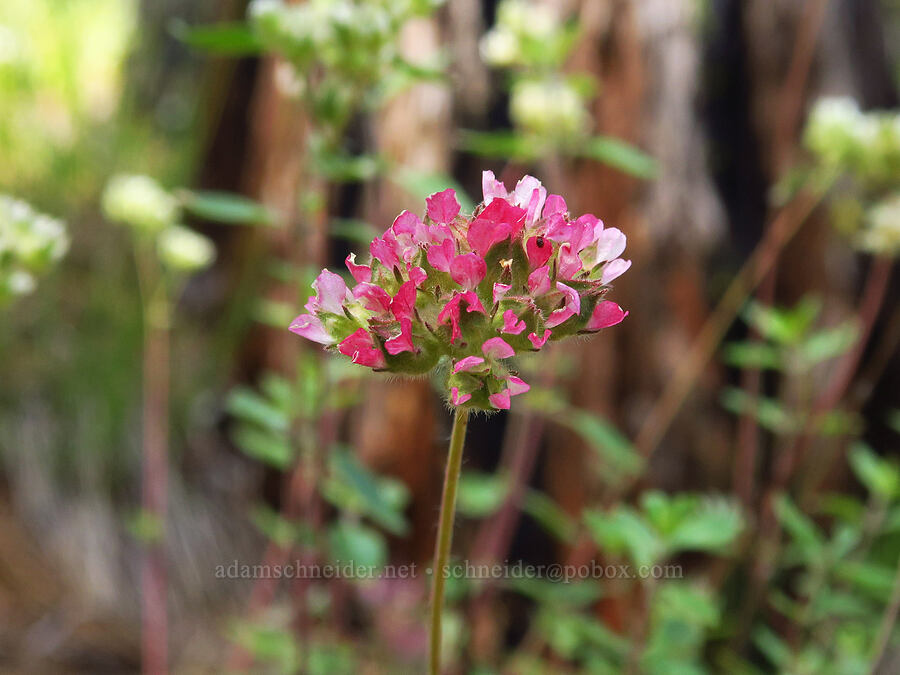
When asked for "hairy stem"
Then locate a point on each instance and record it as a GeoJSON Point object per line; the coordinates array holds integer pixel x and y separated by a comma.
{"type": "Point", "coordinates": [445, 535]}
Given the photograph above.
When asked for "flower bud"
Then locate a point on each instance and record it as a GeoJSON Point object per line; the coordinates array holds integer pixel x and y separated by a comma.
{"type": "Point", "coordinates": [139, 202]}
{"type": "Point", "coordinates": [184, 250]}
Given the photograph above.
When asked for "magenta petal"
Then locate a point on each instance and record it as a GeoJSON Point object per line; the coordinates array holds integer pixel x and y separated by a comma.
{"type": "Point", "coordinates": [539, 342]}
{"type": "Point", "coordinates": [450, 314]}
{"type": "Point", "coordinates": [500, 290]}
{"type": "Point", "coordinates": [417, 275]}
{"type": "Point", "coordinates": [373, 298]}
{"type": "Point", "coordinates": [402, 342]}
{"type": "Point", "coordinates": [468, 363]}
{"type": "Point", "coordinates": [443, 207]}
{"type": "Point", "coordinates": [472, 302]}
{"type": "Point", "coordinates": [539, 281]}
{"type": "Point", "coordinates": [569, 262]}
{"type": "Point", "coordinates": [468, 270]}
{"type": "Point", "coordinates": [511, 324]}
{"type": "Point", "coordinates": [409, 224]}
{"type": "Point", "coordinates": [360, 273]}
{"type": "Point", "coordinates": [497, 348]}
{"type": "Point", "coordinates": [538, 250]}
{"type": "Point", "coordinates": [606, 314]}
{"type": "Point", "coordinates": [517, 385]}
{"type": "Point", "coordinates": [614, 269]}
{"type": "Point", "coordinates": [310, 327]}
{"type": "Point", "coordinates": [559, 316]}
{"type": "Point", "coordinates": [403, 304]}
{"type": "Point", "coordinates": [441, 255]}
{"type": "Point", "coordinates": [456, 398]}
{"type": "Point", "coordinates": [362, 350]}
{"type": "Point", "coordinates": [555, 205]}
{"type": "Point", "coordinates": [331, 291]}
{"type": "Point", "coordinates": [501, 400]}
{"type": "Point", "coordinates": [384, 252]}
{"type": "Point", "coordinates": [483, 234]}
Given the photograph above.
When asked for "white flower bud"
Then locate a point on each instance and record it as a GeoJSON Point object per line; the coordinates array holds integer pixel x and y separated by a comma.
{"type": "Point", "coordinates": [184, 250]}
{"type": "Point", "coordinates": [140, 202]}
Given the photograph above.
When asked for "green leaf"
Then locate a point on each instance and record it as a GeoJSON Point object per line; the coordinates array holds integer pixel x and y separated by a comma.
{"type": "Point", "coordinates": [264, 446]}
{"type": "Point", "coordinates": [368, 491]}
{"type": "Point", "coordinates": [498, 144]}
{"type": "Point", "coordinates": [232, 39]}
{"type": "Point", "coordinates": [555, 593]}
{"type": "Point", "coordinates": [623, 531]}
{"type": "Point", "coordinates": [713, 526]}
{"type": "Point", "coordinates": [768, 412]}
{"type": "Point", "coordinates": [274, 313]}
{"type": "Point", "coordinates": [352, 229]}
{"type": "Point", "coordinates": [752, 355]}
{"type": "Point", "coordinates": [246, 404]}
{"type": "Point", "coordinates": [278, 529]}
{"type": "Point", "coordinates": [620, 155]}
{"type": "Point", "coordinates": [881, 477]}
{"type": "Point", "coordinates": [356, 543]}
{"type": "Point", "coordinates": [616, 451]}
{"type": "Point", "coordinates": [481, 494]}
{"type": "Point", "coordinates": [550, 515]}
{"type": "Point", "coordinates": [774, 648]}
{"type": "Point", "coordinates": [802, 530]}
{"type": "Point", "coordinates": [421, 185]}
{"type": "Point", "coordinates": [784, 326]}
{"type": "Point", "coordinates": [344, 168]}
{"type": "Point", "coordinates": [875, 581]}
{"type": "Point", "coordinates": [827, 344]}
{"type": "Point", "coordinates": [269, 645]}
{"type": "Point", "coordinates": [227, 208]}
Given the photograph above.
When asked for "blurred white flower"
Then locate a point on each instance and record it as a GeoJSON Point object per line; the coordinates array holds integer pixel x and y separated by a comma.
{"type": "Point", "coordinates": [140, 202]}
{"type": "Point", "coordinates": [184, 250]}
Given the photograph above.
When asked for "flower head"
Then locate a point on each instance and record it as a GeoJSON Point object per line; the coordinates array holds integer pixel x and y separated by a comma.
{"type": "Point", "coordinates": [471, 291]}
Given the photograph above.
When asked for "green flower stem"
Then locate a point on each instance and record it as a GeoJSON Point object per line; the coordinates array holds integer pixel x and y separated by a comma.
{"type": "Point", "coordinates": [445, 535]}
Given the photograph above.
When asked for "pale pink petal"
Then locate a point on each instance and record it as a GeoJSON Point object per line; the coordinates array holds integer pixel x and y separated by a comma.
{"type": "Point", "coordinates": [614, 269]}
{"type": "Point", "coordinates": [570, 309]}
{"type": "Point", "coordinates": [310, 327]}
{"type": "Point", "coordinates": [403, 341]}
{"type": "Point", "coordinates": [501, 400]}
{"type": "Point", "coordinates": [441, 255]}
{"type": "Point", "coordinates": [468, 270]}
{"type": "Point", "coordinates": [606, 314]}
{"type": "Point", "coordinates": [361, 349]}
{"type": "Point", "coordinates": [491, 187]}
{"type": "Point", "coordinates": [373, 298]}
{"type": "Point", "coordinates": [417, 275]}
{"type": "Point", "coordinates": [331, 291]}
{"type": "Point", "coordinates": [443, 207]}
{"type": "Point", "coordinates": [500, 290]}
{"type": "Point", "coordinates": [456, 398]}
{"type": "Point", "coordinates": [610, 245]}
{"type": "Point", "coordinates": [555, 205]}
{"type": "Point", "coordinates": [359, 272]}
{"type": "Point", "coordinates": [530, 195]}
{"type": "Point", "coordinates": [537, 341]}
{"type": "Point", "coordinates": [468, 363]}
{"type": "Point", "coordinates": [539, 281]}
{"type": "Point", "coordinates": [511, 324]}
{"type": "Point", "coordinates": [438, 233]}
{"type": "Point", "coordinates": [404, 302]}
{"type": "Point", "coordinates": [569, 262]}
{"type": "Point", "coordinates": [538, 250]}
{"type": "Point", "coordinates": [497, 348]}
{"type": "Point", "coordinates": [517, 385]}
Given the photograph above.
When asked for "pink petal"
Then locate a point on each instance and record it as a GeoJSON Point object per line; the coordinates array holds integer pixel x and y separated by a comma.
{"type": "Point", "coordinates": [403, 304]}
{"type": "Point", "coordinates": [501, 400]}
{"type": "Point", "coordinates": [443, 207]}
{"type": "Point", "coordinates": [511, 324]}
{"type": "Point", "coordinates": [437, 233]}
{"type": "Point", "coordinates": [468, 363]}
{"type": "Point", "coordinates": [468, 270]}
{"type": "Point", "coordinates": [539, 281]}
{"type": "Point", "coordinates": [538, 250]}
{"type": "Point", "coordinates": [456, 398]}
{"type": "Point", "coordinates": [450, 312]}
{"type": "Point", "coordinates": [500, 290]}
{"type": "Point", "coordinates": [501, 211]}
{"type": "Point", "coordinates": [569, 262]}
{"type": "Point", "coordinates": [570, 309]}
{"type": "Point", "coordinates": [497, 348]}
{"type": "Point", "coordinates": [483, 234]}
{"type": "Point", "coordinates": [539, 342]}
{"type": "Point", "coordinates": [441, 255]}
{"type": "Point", "coordinates": [614, 269]}
{"type": "Point", "coordinates": [516, 385]}
{"type": "Point", "coordinates": [610, 245]}
{"type": "Point", "coordinates": [417, 275]}
{"type": "Point", "coordinates": [606, 314]}
{"type": "Point", "coordinates": [331, 291]}
{"type": "Point", "coordinates": [373, 298]}
{"type": "Point", "coordinates": [310, 327]}
{"type": "Point", "coordinates": [403, 341]}
{"type": "Point", "coordinates": [410, 225]}
{"type": "Point", "coordinates": [471, 299]}
{"type": "Point", "coordinates": [491, 187]}
{"type": "Point", "coordinates": [359, 272]}
{"type": "Point", "coordinates": [361, 349]}
{"type": "Point", "coordinates": [555, 205]}
{"type": "Point", "coordinates": [384, 253]}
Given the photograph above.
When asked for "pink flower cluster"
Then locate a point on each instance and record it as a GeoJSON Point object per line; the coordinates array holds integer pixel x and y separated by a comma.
{"type": "Point", "coordinates": [470, 292]}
